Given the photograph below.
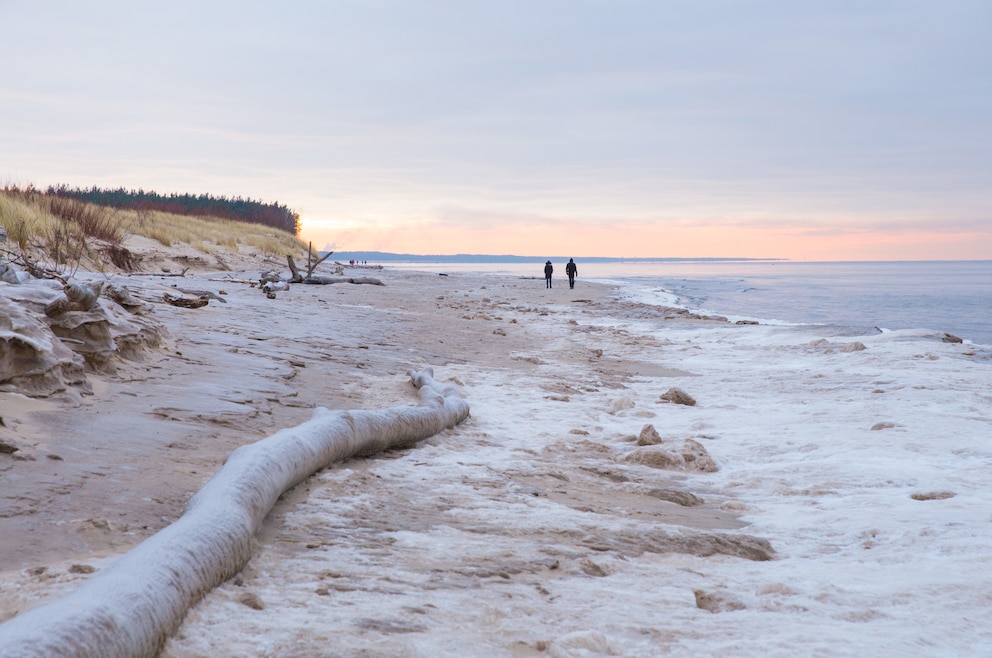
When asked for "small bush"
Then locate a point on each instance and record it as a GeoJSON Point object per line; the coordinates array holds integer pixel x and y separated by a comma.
{"type": "Point", "coordinates": [63, 242]}
{"type": "Point", "coordinates": [93, 221]}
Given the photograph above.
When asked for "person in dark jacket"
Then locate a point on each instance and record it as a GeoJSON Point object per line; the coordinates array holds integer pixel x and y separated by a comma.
{"type": "Point", "coordinates": [571, 270]}
{"type": "Point", "coordinates": [548, 269]}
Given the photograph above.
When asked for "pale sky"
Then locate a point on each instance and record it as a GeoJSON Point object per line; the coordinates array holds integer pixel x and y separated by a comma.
{"type": "Point", "coordinates": [841, 130]}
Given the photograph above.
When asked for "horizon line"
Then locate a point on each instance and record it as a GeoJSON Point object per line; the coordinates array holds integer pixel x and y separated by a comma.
{"type": "Point", "coordinates": [389, 255]}
{"type": "Point", "coordinates": [503, 258]}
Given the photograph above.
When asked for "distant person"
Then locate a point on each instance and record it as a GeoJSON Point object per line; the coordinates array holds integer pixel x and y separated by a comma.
{"type": "Point", "coordinates": [548, 269]}
{"type": "Point", "coordinates": [571, 270]}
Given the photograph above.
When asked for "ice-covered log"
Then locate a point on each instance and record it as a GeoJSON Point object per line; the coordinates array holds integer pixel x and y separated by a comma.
{"type": "Point", "coordinates": [136, 603]}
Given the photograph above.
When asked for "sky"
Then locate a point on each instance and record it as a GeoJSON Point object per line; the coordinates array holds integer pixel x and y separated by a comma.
{"type": "Point", "coordinates": [843, 130]}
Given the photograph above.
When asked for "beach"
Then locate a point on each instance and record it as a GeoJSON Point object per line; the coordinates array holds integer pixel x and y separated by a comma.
{"type": "Point", "coordinates": [822, 495]}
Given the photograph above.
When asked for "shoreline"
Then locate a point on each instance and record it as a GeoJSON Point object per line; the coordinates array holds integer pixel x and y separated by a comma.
{"type": "Point", "coordinates": [932, 295]}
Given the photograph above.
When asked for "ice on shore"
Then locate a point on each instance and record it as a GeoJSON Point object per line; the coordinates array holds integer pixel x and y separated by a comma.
{"type": "Point", "coordinates": [490, 540]}
{"type": "Point", "coordinates": [131, 607]}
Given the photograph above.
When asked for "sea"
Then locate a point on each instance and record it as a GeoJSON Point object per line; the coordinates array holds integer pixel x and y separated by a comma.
{"type": "Point", "coordinates": [947, 296]}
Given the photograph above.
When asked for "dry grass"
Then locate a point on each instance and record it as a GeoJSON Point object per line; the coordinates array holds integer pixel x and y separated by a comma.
{"type": "Point", "coordinates": [23, 219]}
{"type": "Point", "coordinates": [69, 235]}
{"type": "Point", "coordinates": [210, 234]}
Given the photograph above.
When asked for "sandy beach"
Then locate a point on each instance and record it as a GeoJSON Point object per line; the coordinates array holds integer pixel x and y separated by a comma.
{"type": "Point", "coordinates": [101, 472]}
{"type": "Point", "coordinates": [551, 522]}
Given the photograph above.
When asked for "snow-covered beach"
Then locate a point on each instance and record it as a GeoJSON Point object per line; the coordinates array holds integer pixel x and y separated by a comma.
{"type": "Point", "coordinates": [541, 525]}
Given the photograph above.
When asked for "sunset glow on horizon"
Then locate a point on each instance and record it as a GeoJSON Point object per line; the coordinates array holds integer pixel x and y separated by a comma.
{"type": "Point", "coordinates": [643, 240]}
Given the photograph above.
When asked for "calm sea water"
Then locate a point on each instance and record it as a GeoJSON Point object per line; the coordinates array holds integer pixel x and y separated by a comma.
{"type": "Point", "coordinates": [951, 296]}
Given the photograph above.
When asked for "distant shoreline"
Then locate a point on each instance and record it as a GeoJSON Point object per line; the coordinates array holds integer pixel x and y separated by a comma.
{"type": "Point", "coordinates": [390, 257]}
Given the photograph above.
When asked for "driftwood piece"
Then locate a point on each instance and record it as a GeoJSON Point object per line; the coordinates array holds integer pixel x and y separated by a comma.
{"type": "Point", "coordinates": [297, 277]}
{"type": "Point", "coordinates": [36, 270]}
{"type": "Point", "coordinates": [186, 302]}
{"type": "Point", "coordinates": [251, 282]}
{"type": "Point", "coordinates": [328, 280]}
{"type": "Point", "coordinates": [202, 293]}
{"type": "Point", "coordinates": [311, 266]}
{"type": "Point", "coordinates": [135, 604]}
{"type": "Point", "coordinates": [183, 273]}
{"type": "Point", "coordinates": [314, 265]}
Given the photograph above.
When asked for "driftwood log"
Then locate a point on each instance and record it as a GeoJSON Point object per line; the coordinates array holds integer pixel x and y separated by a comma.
{"type": "Point", "coordinates": [183, 273]}
{"type": "Point", "coordinates": [135, 604]}
{"type": "Point", "coordinates": [251, 282]}
{"type": "Point", "coordinates": [186, 302]}
{"type": "Point", "coordinates": [293, 270]}
{"type": "Point", "coordinates": [202, 293]}
{"type": "Point", "coordinates": [327, 280]}
{"type": "Point", "coordinates": [311, 265]}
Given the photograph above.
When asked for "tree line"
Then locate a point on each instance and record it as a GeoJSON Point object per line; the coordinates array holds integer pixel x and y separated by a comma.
{"type": "Point", "coordinates": [276, 215]}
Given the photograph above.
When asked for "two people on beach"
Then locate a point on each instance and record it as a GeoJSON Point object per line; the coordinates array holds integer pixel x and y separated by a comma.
{"type": "Point", "coordinates": [571, 269]}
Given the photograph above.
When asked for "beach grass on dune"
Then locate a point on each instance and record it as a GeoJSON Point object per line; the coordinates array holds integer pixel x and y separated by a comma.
{"type": "Point", "coordinates": [67, 232]}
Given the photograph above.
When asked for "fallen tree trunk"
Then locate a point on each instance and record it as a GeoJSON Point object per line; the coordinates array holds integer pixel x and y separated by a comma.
{"type": "Point", "coordinates": [186, 302]}
{"type": "Point", "coordinates": [311, 265]}
{"type": "Point", "coordinates": [133, 606]}
{"type": "Point", "coordinates": [183, 273]}
{"type": "Point", "coordinates": [327, 280]}
{"type": "Point", "coordinates": [253, 282]}
{"type": "Point", "coordinates": [201, 293]}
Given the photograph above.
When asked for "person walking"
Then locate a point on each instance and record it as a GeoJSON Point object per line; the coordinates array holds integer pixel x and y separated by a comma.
{"type": "Point", "coordinates": [571, 270]}
{"type": "Point", "coordinates": [548, 269]}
